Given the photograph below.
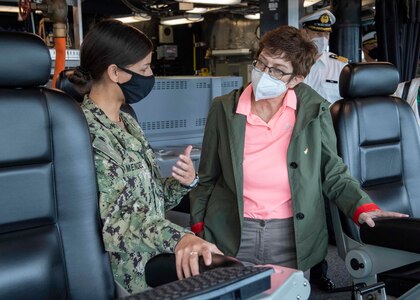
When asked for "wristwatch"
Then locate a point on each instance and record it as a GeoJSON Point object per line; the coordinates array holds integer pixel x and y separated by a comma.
{"type": "Point", "coordinates": [194, 183]}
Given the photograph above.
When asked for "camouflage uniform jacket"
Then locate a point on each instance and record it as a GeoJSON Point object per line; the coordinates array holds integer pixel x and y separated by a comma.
{"type": "Point", "coordinates": [133, 197]}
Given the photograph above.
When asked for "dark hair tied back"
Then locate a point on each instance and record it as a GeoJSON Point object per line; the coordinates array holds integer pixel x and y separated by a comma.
{"type": "Point", "coordinates": [82, 80]}
{"type": "Point", "coordinates": [84, 72]}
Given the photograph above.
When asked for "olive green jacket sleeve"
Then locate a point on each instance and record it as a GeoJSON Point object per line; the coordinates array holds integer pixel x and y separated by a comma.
{"type": "Point", "coordinates": [221, 160]}
{"type": "Point", "coordinates": [209, 169]}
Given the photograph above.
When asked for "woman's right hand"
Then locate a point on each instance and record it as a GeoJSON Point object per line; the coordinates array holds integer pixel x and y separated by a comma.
{"type": "Point", "coordinates": [187, 251]}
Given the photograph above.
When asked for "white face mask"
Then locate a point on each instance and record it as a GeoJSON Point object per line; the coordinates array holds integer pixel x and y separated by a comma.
{"type": "Point", "coordinates": [321, 44]}
{"type": "Point", "coordinates": [266, 87]}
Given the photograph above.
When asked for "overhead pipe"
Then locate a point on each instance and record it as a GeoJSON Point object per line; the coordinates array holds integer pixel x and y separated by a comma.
{"type": "Point", "coordinates": [56, 11]}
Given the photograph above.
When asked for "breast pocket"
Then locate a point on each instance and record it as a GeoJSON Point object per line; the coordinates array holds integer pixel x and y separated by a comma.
{"type": "Point", "coordinates": [108, 151]}
{"type": "Point", "coordinates": [331, 90]}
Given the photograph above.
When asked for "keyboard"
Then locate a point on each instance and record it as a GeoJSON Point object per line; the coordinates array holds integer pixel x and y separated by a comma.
{"type": "Point", "coordinates": [220, 283]}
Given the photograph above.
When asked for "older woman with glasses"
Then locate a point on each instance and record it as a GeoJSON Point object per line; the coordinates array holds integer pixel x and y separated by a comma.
{"type": "Point", "coordinates": [268, 156]}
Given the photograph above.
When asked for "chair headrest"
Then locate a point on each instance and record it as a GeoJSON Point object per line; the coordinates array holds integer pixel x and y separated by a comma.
{"type": "Point", "coordinates": [368, 79]}
{"type": "Point", "coordinates": [63, 83]}
{"type": "Point", "coordinates": [24, 59]}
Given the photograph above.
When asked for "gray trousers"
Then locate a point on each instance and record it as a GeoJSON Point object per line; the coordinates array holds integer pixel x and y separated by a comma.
{"type": "Point", "coordinates": [268, 242]}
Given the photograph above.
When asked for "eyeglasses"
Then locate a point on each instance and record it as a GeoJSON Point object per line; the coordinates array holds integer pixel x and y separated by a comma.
{"type": "Point", "coordinates": [273, 72]}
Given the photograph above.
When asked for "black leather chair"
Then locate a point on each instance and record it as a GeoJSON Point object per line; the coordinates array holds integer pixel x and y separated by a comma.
{"type": "Point", "coordinates": [50, 238]}
{"type": "Point", "coordinates": [379, 140]}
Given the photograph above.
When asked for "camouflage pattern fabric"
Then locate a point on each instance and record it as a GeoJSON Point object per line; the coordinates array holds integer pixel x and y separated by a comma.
{"type": "Point", "coordinates": [133, 197]}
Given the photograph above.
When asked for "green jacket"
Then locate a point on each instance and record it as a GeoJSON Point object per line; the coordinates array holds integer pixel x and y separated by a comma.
{"type": "Point", "coordinates": [314, 169]}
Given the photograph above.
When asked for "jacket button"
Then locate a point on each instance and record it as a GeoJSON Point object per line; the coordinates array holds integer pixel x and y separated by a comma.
{"type": "Point", "coordinates": [323, 108]}
{"type": "Point", "coordinates": [300, 216]}
{"type": "Point", "coordinates": [293, 165]}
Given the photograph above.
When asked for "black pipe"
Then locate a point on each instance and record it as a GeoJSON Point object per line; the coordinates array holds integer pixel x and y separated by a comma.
{"type": "Point", "coordinates": [345, 38]}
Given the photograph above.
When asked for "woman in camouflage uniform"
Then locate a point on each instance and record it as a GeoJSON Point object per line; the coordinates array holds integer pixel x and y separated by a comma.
{"type": "Point", "coordinates": [115, 69]}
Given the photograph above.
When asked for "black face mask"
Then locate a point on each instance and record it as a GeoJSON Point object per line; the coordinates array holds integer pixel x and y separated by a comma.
{"type": "Point", "coordinates": [137, 88]}
{"type": "Point", "coordinates": [373, 53]}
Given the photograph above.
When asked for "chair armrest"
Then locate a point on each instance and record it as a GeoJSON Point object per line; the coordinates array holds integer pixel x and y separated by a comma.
{"type": "Point", "coordinates": [160, 269]}
{"type": "Point", "coordinates": [397, 233]}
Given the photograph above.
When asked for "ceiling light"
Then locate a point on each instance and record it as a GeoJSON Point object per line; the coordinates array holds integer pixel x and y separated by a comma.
{"type": "Point", "coordinates": [253, 16]}
{"type": "Point", "coordinates": [307, 3]}
{"type": "Point", "coordinates": [198, 10]}
{"type": "Point", "coordinates": [203, 10]}
{"type": "Point", "coordinates": [9, 9]}
{"type": "Point", "coordinates": [135, 18]}
{"type": "Point", "coordinates": [183, 19]}
{"type": "Point", "coordinates": [215, 2]}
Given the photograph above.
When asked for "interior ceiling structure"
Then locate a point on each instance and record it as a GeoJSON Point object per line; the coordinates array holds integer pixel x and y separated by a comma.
{"type": "Point", "coordinates": [165, 8]}
{"type": "Point", "coordinates": [162, 8]}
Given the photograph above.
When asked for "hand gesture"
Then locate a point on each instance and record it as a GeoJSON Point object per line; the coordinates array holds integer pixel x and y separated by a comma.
{"type": "Point", "coordinates": [183, 170]}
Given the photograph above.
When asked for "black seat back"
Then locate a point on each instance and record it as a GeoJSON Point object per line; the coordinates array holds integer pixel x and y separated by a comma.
{"type": "Point", "coordinates": [378, 138]}
{"type": "Point", "coordinates": [50, 237]}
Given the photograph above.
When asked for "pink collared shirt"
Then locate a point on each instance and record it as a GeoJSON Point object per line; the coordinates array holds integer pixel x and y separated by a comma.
{"type": "Point", "coordinates": [266, 181]}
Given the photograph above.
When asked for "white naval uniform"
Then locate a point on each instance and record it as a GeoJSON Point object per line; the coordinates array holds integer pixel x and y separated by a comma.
{"type": "Point", "coordinates": [324, 76]}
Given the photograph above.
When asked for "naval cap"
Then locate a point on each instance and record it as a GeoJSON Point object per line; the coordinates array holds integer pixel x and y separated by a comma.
{"type": "Point", "coordinates": [321, 20]}
{"type": "Point", "coordinates": [369, 38]}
